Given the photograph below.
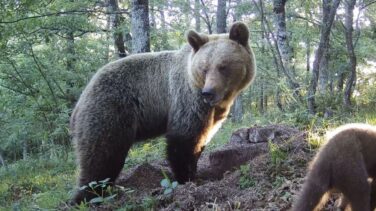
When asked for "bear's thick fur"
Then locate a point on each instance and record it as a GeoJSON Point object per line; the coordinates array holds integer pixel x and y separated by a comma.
{"type": "Point", "coordinates": [184, 94]}
{"type": "Point", "coordinates": [344, 164]}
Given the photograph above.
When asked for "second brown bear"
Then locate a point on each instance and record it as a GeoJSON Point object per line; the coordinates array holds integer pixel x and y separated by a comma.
{"type": "Point", "coordinates": [344, 164]}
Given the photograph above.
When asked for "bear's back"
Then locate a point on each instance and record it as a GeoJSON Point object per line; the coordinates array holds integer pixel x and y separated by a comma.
{"type": "Point", "coordinates": [351, 139]}
{"type": "Point", "coordinates": [139, 84]}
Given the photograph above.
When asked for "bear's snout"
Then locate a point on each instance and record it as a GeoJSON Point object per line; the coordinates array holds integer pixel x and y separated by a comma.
{"type": "Point", "coordinates": [209, 96]}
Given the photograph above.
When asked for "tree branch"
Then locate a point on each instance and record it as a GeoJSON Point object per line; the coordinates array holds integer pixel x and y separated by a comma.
{"type": "Point", "coordinates": [80, 12]}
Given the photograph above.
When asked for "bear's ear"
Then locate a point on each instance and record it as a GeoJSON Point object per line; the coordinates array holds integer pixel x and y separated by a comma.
{"type": "Point", "coordinates": [239, 33]}
{"type": "Point", "coordinates": [196, 40]}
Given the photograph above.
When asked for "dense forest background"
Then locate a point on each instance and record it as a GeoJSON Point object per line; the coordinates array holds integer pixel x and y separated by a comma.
{"type": "Point", "coordinates": [315, 59]}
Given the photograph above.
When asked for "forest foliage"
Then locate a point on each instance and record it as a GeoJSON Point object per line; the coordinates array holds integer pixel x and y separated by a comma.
{"type": "Point", "coordinates": [49, 50]}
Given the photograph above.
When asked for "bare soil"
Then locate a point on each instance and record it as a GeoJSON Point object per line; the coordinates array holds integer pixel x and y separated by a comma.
{"type": "Point", "coordinates": [277, 157]}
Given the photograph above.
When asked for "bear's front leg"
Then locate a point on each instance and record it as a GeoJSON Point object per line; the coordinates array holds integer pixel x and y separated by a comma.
{"type": "Point", "coordinates": [183, 154]}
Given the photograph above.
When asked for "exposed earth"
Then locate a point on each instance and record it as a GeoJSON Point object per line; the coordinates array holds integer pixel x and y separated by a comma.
{"type": "Point", "coordinates": [261, 168]}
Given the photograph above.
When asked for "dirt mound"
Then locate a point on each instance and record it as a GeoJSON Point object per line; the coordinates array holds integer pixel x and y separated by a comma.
{"type": "Point", "coordinates": [271, 173]}
{"type": "Point", "coordinates": [261, 168]}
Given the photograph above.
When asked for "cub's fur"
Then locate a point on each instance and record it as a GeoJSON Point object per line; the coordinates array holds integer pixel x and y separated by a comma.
{"type": "Point", "coordinates": [344, 164]}
{"type": "Point", "coordinates": [184, 95]}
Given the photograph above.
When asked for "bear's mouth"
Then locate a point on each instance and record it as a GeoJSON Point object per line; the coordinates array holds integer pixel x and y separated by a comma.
{"type": "Point", "coordinates": [213, 101]}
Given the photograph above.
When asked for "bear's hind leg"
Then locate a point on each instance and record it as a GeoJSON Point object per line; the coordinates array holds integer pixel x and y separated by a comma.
{"type": "Point", "coordinates": [373, 194]}
{"type": "Point", "coordinates": [104, 166]}
{"type": "Point", "coordinates": [101, 153]}
{"type": "Point", "coordinates": [352, 182]}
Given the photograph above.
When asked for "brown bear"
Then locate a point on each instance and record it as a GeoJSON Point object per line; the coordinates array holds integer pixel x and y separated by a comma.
{"type": "Point", "coordinates": [345, 164]}
{"type": "Point", "coordinates": [184, 94]}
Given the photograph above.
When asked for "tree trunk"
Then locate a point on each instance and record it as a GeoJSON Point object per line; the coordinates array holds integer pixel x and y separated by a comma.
{"type": "Point", "coordinates": [308, 54]}
{"type": "Point", "coordinates": [282, 37]}
{"type": "Point", "coordinates": [221, 16]}
{"type": "Point", "coordinates": [187, 11]}
{"type": "Point", "coordinates": [164, 44]}
{"type": "Point", "coordinates": [261, 97]}
{"type": "Point", "coordinates": [116, 20]}
{"type": "Point", "coordinates": [108, 38]}
{"type": "Point", "coordinates": [140, 26]}
{"type": "Point", "coordinates": [329, 12]}
{"type": "Point", "coordinates": [265, 102]}
{"type": "Point", "coordinates": [350, 83]}
{"type": "Point", "coordinates": [284, 47]}
{"type": "Point", "coordinates": [71, 57]}
{"type": "Point", "coordinates": [341, 80]}
{"type": "Point", "coordinates": [275, 50]}
{"type": "Point", "coordinates": [71, 54]}
{"type": "Point", "coordinates": [237, 109]}
{"type": "Point", "coordinates": [324, 72]}
{"type": "Point", "coordinates": [153, 24]}
{"type": "Point", "coordinates": [237, 12]}
{"type": "Point", "coordinates": [308, 15]}
{"type": "Point", "coordinates": [71, 61]}
{"type": "Point", "coordinates": [2, 161]}
{"type": "Point", "coordinates": [207, 18]}
{"type": "Point", "coordinates": [197, 16]}
{"type": "Point", "coordinates": [24, 150]}
{"type": "Point", "coordinates": [266, 40]}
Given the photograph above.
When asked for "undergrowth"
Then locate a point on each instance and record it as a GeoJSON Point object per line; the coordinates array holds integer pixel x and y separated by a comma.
{"type": "Point", "coordinates": [43, 183]}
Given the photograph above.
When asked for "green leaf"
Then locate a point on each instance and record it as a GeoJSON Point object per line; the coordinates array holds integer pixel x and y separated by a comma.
{"type": "Point", "coordinates": [83, 187]}
{"type": "Point", "coordinates": [167, 191]}
{"type": "Point", "coordinates": [165, 183]}
{"type": "Point", "coordinates": [98, 199]}
{"type": "Point", "coordinates": [105, 181]}
{"type": "Point", "coordinates": [110, 197]}
{"type": "Point", "coordinates": [93, 184]}
{"type": "Point", "coordinates": [174, 184]}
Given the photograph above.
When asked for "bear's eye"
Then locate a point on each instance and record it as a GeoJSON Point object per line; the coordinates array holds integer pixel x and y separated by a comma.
{"type": "Point", "coordinates": [223, 70]}
{"type": "Point", "coordinates": [205, 70]}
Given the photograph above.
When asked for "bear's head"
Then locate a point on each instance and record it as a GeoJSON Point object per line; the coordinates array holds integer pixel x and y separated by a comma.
{"type": "Point", "coordinates": [220, 66]}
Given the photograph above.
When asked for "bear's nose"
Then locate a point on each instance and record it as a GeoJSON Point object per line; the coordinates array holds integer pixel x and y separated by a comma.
{"type": "Point", "coordinates": [208, 94]}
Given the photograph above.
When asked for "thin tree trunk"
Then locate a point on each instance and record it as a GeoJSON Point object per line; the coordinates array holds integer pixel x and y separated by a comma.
{"type": "Point", "coordinates": [108, 37]}
{"type": "Point", "coordinates": [265, 102]}
{"type": "Point", "coordinates": [164, 38]}
{"type": "Point", "coordinates": [276, 54]}
{"type": "Point", "coordinates": [197, 16]}
{"type": "Point", "coordinates": [207, 19]}
{"type": "Point", "coordinates": [187, 7]}
{"type": "Point", "coordinates": [237, 111]}
{"type": "Point", "coordinates": [71, 57]}
{"type": "Point", "coordinates": [324, 72]}
{"type": "Point", "coordinates": [308, 54]}
{"type": "Point", "coordinates": [275, 59]}
{"type": "Point", "coordinates": [237, 11]}
{"type": "Point", "coordinates": [116, 20]}
{"type": "Point", "coordinates": [350, 84]}
{"type": "Point", "coordinates": [284, 47]}
{"type": "Point", "coordinates": [308, 15]}
{"type": "Point", "coordinates": [261, 97]}
{"type": "Point", "coordinates": [2, 161]}
{"type": "Point", "coordinates": [153, 24]}
{"type": "Point", "coordinates": [341, 80]}
{"type": "Point", "coordinates": [71, 61]}
{"type": "Point", "coordinates": [329, 12]}
{"type": "Point", "coordinates": [24, 150]}
{"type": "Point", "coordinates": [282, 37]}
{"type": "Point", "coordinates": [278, 99]}
{"type": "Point", "coordinates": [140, 26]}
{"type": "Point", "coordinates": [71, 54]}
{"type": "Point", "coordinates": [221, 16]}
{"type": "Point", "coordinates": [237, 108]}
